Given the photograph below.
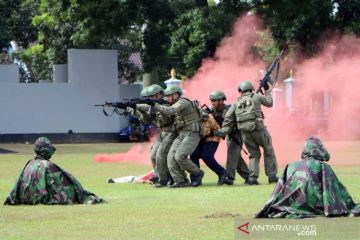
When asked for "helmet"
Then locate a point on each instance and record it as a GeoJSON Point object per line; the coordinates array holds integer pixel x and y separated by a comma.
{"type": "Point", "coordinates": [155, 89]}
{"type": "Point", "coordinates": [245, 86]}
{"type": "Point", "coordinates": [172, 89]}
{"type": "Point", "coordinates": [144, 92]}
{"type": "Point", "coordinates": [44, 148]}
{"type": "Point", "coordinates": [217, 95]}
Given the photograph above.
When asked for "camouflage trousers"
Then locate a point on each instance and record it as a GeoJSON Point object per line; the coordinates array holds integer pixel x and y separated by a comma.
{"type": "Point", "coordinates": [234, 161]}
{"type": "Point", "coordinates": [153, 151]}
{"type": "Point", "coordinates": [178, 161]}
{"type": "Point", "coordinates": [167, 138]}
{"type": "Point", "coordinates": [253, 141]}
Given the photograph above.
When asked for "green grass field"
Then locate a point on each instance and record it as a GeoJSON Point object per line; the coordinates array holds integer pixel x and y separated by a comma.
{"type": "Point", "coordinates": [134, 211]}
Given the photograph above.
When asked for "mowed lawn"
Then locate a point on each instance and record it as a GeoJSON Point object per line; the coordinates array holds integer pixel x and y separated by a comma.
{"type": "Point", "coordinates": [136, 211]}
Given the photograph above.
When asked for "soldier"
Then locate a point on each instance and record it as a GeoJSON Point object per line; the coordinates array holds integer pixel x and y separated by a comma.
{"type": "Point", "coordinates": [234, 161]}
{"type": "Point", "coordinates": [187, 124]}
{"type": "Point", "coordinates": [309, 188]}
{"type": "Point", "coordinates": [164, 140]}
{"type": "Point", "coordinates": [249, 117]}
{"type": "Point", "coordinates": [43, 182]}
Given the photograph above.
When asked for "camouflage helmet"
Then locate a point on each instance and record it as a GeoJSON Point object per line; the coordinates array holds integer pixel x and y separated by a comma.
{"type": "Point", "coordinates": [245, 86]}
{"type": "Point", "coordinates": [44, 148]}
{"type": "Point", "coordinates": [155, 89]}
{"type": "Point", "coordinates": [172, 89]}
{"type": "Point", "coordinates": [314, 149]}
{"type": "Point", "coordinates": [217, 95]}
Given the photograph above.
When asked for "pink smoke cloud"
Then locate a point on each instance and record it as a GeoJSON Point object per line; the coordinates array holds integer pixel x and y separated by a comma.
{"type": "Point", "coordinates": [334, 69]}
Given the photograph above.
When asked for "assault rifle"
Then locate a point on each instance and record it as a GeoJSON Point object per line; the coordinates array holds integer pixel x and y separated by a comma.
{"type": "Point", "coordinates": [217, 116]}
{"type": "Point", "coordinates": [120, 107]}
{"type": "Point", "coordinates": [267, 77]}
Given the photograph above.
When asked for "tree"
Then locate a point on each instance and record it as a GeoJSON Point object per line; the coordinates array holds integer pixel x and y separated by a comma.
{"type": "Point", "coordinates": [197, 32]}
{"type": "Point", "coordinates": [347, 16]}
{"type": "Point", "coordinates": [15, 23]}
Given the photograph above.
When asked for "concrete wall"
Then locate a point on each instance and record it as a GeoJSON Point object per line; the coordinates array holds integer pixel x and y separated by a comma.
{"type": "Point", "coordinates": [58, 107]}
{"type": "Point", "coordinates": [9, 73]}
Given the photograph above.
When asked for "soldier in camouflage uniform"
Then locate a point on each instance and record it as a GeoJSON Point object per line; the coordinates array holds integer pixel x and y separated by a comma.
{"type": "Point", "coordinates": [187, 124]}
{"type": "Point", "coordinates": [309, 188]}
{"type": "Point", "coordinates": [167, 135]}
{"type": "Point", "coordinates": [43, 182]}
{"type": "Point", "coordinates": [234, 161]}
{"type": "Point", "coordinates": [249, 118]}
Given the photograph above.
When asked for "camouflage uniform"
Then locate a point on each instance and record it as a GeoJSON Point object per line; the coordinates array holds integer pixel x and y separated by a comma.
{"type": "Point", "coordinates": [187, 123]}
{"type": "Point", "coordinates": [249, 118]}
{"type": "Point", "coordinates": [167, 135]}
{"type": "Point", "coordinates": [234, 161]}
{"type": "Point", "coordinates": [43, 182]}
{"type": "Point", "coordinates": [309, 188]}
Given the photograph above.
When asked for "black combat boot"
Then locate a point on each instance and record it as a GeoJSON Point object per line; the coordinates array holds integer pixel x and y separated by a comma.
{"type": "Point", "coordinates": [222, 178]}
{"type": "Point", "coordinates": [197, 179]}
{"type": "Point", "coordinates": [179, 185]}
{"type": "Point", "coordinates": [273, 179]}
{"type": "Point", "coordinates": [253, 182]}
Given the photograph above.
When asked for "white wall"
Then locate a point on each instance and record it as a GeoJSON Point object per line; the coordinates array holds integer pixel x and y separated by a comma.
{"type": "Point", "coordinates": [61, 106]}
{"type": "Point", "coordinates": [9, 73]}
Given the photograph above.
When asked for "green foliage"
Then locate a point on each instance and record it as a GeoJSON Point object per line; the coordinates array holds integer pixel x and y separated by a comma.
{"type": "Point", "coordinates": [266, 46]}
{"type": "Point", "coordinates": [37, 64]}
{"type": "Point", "coordinates": [15, 22]}
{"type": "Point", "coordinates": [347, 16]}
{"type": "Point", "coordinates": [304, 22]}
{"type": "Point", "coordinates": [167, 33]}
{"type": "Point", "coordinates": [197, 32]}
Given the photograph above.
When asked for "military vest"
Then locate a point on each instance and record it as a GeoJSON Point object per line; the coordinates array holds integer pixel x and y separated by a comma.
{"type": "Point", "coordinates": [189, 118]}
{"type": "Point", "coordinates": [246, 113]}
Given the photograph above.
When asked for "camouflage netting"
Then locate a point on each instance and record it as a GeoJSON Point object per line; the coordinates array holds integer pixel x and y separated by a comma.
{"type": "Point", "coordinates": [43, 182]}
{"type": "Point", "coordinates": [309, 188]}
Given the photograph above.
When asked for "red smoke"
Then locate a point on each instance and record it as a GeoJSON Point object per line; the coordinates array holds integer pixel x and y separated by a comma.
{"type": "Point", "coordinates": [335, 69]}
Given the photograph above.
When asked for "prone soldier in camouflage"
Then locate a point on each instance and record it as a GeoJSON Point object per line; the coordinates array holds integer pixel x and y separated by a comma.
{"type": "Point", "coordinates": [249, 118]}
{"type": "Point", "coordinates": [234, 161]}
{"type": "Point", "coordinates": [43, 182]}
{"type": "Point", "coordinates": [188, 126]}
{"type": "Point", "coordinates": [309, 188]}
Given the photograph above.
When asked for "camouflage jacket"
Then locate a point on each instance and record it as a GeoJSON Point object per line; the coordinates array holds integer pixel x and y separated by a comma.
{"type": "Point", "coordinates": [43, 182]}
{"type": "Point", "coordinates": [309, 188]}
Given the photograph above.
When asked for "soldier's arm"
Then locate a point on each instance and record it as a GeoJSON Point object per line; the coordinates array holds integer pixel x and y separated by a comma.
{"type": "Point", "coordinates": [143, 107]}
{"type": "Point", "coordinates": [228, 123]}
{"type": "Point", "coordinates": [266, 100]}
{"type": "Point", "coordinates": [171, 110]}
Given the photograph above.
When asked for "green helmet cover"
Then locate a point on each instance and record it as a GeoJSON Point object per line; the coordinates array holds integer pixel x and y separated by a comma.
{"type": "Point", "coordinates": [217, 95]}
{"type": "Point", "coordinates": [144, 92]}
{"type": "Point", "coordinates": [172, 89]}
{"type": "Point", "coordinates": [245, 85]}
{"type": "Point", "coordinates": [155, 89]}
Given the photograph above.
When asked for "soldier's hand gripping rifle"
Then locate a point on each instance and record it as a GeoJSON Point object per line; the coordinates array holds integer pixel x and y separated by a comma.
{"type": "Point", "coordinates": [217, 116]}
{"type": "Point", "coordinates": [120, 107]}
{"type": "Point", "coordinates": [267, 77]}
